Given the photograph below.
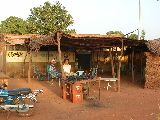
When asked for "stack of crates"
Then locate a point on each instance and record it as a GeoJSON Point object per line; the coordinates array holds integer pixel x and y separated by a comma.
{"type": "Point", "coordinates": [65, 89]}
{"type": "Point", "coordinates": [76, 94]}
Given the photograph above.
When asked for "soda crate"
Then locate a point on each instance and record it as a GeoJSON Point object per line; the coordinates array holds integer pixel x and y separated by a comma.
{"type": "Point", "coordinates": [76, 94]}
{"type": "Point", "coordinates": [65, 90]}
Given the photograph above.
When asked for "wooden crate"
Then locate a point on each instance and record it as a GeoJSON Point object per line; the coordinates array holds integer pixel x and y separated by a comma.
{"type": "Point", "coordinates": [65, 90]}
{"type": "Point", "coordinates": [76, 94]}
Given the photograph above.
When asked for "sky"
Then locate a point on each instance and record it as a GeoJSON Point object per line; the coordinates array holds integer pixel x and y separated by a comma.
{"type": "Point", "coordinates": [97, 16]}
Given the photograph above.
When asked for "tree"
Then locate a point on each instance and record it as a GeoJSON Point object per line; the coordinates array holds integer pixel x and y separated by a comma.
{"type": "Point", "coordinates": [49, 18]}
{"type": "Point", "coordinates": [143, 33]}
{"type": "Point", "coordinates": [115, 32]}
{"type": "Point", "coordinates": [133, 36]}
{"type": "Point", "coordinates": [14, 25]}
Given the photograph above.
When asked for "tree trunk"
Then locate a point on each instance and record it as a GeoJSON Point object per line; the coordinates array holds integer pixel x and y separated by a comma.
{"type": "Point", "coordinates": [60, 55]}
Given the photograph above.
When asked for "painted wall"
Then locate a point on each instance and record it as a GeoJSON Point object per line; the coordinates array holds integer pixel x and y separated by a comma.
{"type": "Point", "coordinates": [17, 61]}
{"type": "Point", "coordinates": [41, 56]}
{"type": "Point", "coordinates": [16, 56]}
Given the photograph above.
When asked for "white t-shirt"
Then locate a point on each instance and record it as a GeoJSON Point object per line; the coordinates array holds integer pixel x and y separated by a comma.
{"type": "Point", "coordinates": [67, 68]}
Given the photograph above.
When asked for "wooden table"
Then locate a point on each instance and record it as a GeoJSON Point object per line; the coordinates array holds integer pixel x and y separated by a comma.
{"type": "Point", "coordinates": [4, 79]}
{"type": "Point", "coordinates": [81, 82]}
{"type": "Point", "coordinates": [99, 79]}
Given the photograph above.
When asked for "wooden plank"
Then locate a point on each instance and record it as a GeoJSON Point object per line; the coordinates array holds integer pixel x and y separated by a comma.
{"type": "Point", "coordinates": [109, 79]}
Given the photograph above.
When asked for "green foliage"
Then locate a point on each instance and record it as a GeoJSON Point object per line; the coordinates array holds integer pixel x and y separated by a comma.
{"type": "Point", "coordinates": [49, 18]}
{"type": "Point", "coordinates": [14, 25]}
{"type": "Point", "coordinates": [115, 32]}
{"type": "Point", "coordinates": [142, 35]}
{"type": "Point", "coordinates": [68, 31]}
{"type": "Point", "coordinates": [133, 36]}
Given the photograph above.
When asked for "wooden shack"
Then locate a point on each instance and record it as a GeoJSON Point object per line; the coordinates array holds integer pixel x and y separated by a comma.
{"type": "Point", "coordinates": [109, 53]}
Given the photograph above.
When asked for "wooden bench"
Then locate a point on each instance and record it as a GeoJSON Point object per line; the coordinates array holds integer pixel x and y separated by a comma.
{"type": "Point", "coordinates": [4, 79]}
{"type": "Point", "coordinates": [110, 79]}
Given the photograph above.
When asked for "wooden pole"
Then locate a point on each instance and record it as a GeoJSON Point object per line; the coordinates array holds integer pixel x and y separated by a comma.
{"type": "Point", "coordinates": [88, 88]}
{"type": "Point", "coordinates": [141, 65]}
{"type": "Point", "coordinates": [132, 65]}
{"type": "Point", "coordinates": [93, 59]}
{"type": "Point", "coordinates": [112, 65]}
{"type": "Point", "coordinates": [99, 88]}
{"type": "Point", "coordinates": [24, 64]}
{"type": "Point", "coordinates": [119, 67]}
{"type": "Point", "coordinates": [29, 69]}
{"type": "Point", "coordinates": [60, 55]}
{"type": "Point", "coordinates": [97, 65]}
{"type": "Point", "coordinates": [48, 54]}
{"type": "Point", "coordinates": [4, 61]}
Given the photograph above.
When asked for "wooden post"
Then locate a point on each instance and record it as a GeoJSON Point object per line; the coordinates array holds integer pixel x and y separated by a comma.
{"type": "Point", "coordinates": [93, 59]}
{"type": "Point", "coordinates": [97, 65]}
{"type": "Point", "coordinates": [88, 88]}
{"type": "Point", "coordinates": [132, 65]}
{"type": "Point", "coordinates": [119, 67]}
{"type": "Point", "coordinates": [99, 88]}
{"type": "Point", "coordinates": [29, 69]}
{"type": "Point", "coordinates": [4, 61]}
{"type": "Point", "coordinates": [141, 56]}
{"type": "Point", "coordinates": [24, 65]}
{"type": "Point", "coordinates": [60, 55]}
{"type": "Point", "coordinates": [48, 54]}
{"type": "Point", "coordinates": [112, 65]}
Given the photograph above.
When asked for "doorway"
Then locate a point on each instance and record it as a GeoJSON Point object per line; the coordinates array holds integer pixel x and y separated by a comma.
{"type": "Point", "coordinates": [84, 61]}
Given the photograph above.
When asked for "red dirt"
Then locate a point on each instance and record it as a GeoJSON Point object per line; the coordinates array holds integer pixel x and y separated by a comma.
{"type": "Point", "coordinates": [132, 103]}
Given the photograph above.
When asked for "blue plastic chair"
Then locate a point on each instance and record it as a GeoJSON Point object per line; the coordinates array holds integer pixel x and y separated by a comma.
{"type": "Point", "coordinates": [54, 74]}
{"type": "Point", "coordinates": [93, 71]}
{"type": "Point", "coordinates": [35, 71]}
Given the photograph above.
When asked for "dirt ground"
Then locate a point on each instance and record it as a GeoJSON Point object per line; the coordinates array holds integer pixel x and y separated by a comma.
{"type": "Point", "coordinates": [132, 103]}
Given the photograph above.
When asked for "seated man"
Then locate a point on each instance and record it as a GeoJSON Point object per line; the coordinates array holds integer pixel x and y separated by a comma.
{"type": "Point", "coordinates": [52, 70]}
{"type": "Point", "coordinates": [66, 66]}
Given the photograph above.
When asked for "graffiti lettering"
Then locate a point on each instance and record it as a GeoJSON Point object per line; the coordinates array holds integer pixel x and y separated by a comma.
{"type": "Point", "coordinates": [35, 55]}
{"type": "Point", "coordinates": [47, 55]}
{"type": "Point", "coordinates": [15, 54]}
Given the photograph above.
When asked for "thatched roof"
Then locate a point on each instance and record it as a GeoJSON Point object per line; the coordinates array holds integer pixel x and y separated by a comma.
{"type": "Point", "coordinates": [91, 41]}
{"type": "Point", "coordinates": [18, 39]}
{"type": "Point", "coordinates": [98, 41]}
{"type": "Point", "coordinates": [154, 46]}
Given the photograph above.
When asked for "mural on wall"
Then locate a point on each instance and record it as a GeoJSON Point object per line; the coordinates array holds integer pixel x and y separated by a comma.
{"type": "Point", "coordinates": [106, 57]}
{"type": "Point", "coordinates": [68, 55]}
{"type": "Point", "coordinates": [15, 54]}
{"type": "Point", "coordinates": [98, 55]}
{"type": "Point", "coordinates": [41, 56]}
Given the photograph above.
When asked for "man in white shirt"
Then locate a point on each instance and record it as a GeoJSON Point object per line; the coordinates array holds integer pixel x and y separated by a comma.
{"type": "Point", "coordinates": [66, 66]}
